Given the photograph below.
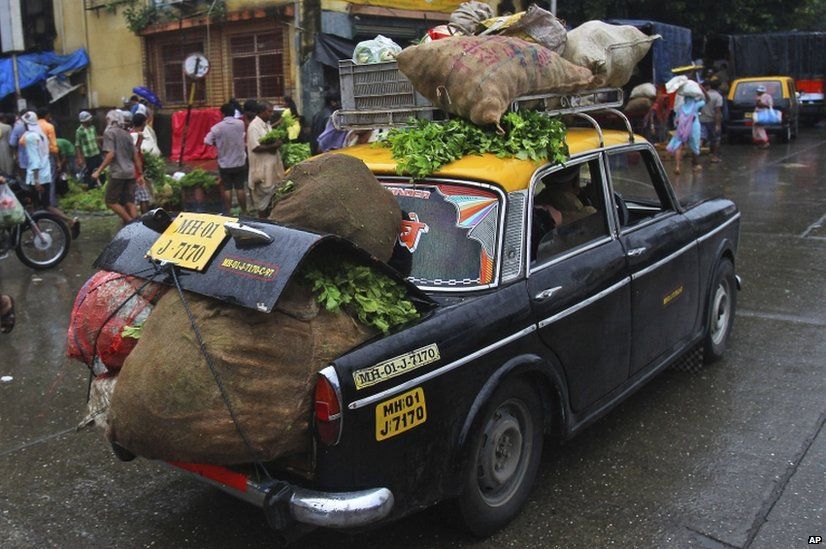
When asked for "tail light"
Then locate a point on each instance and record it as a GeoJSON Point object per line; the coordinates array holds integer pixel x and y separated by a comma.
{"type": "Point", "coordinates": [328, 407]}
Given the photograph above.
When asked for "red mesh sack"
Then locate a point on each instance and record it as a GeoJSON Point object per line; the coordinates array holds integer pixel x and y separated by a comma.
{"type": "Point", "coordinates": [103, 306]}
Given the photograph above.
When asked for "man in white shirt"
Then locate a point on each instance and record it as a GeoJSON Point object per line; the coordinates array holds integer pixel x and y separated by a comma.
{"type": "Point", "coordinates": [266, 171]}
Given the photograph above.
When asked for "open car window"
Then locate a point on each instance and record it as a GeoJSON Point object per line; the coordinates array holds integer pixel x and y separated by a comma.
{"type": "Point", "coordinates": [568, 210]}
{"type": "Point", "coordinates": [450, 234]}
{"type": "Point", "coordinates": [638, 187]}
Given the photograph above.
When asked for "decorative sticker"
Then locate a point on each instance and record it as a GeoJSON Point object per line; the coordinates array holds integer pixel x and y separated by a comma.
{"type": "Point", "coordinates": [673, 295]}
{"type": "Point", "coordinates": [259, 270]}
{"type": "Point", "coordinates": [400, 414]}
{"type": "Point", "coordinates": [477, 211]}
{"type": "Point", "coordinates": [412, 231]}
{"type": "Point", "coordinates": [396, 366]}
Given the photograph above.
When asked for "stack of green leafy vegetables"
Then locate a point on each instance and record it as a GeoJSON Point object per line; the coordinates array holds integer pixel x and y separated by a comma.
{"type": "Point", "coordinates": [199, 178]}
{"type": "Point", "coordinates": [426, 146]}
{"type": "Point", "coordinates": [374, 298]}
{"type": "Point", "coordinates": [293, 153]}
{"type": "Point", "coordinates": [280, 131]}
{"type": "Point", "coordinates": [78, 199]}
{"type": "Point", "coordinates": [154, 168]}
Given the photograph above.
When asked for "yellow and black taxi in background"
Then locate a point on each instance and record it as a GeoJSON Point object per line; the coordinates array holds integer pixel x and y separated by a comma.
{"type": "Point", "coordinates": [741, 103]}
{"type": "Point", "coordinates": [559, 291]}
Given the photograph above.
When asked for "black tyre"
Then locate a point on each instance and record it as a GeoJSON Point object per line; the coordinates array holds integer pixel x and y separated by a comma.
{"type": "Point", "coordinates": [796, 128]}
{"type": "Point", "coordinates": [45, 247]}
{"type": "Point", "coordinates": [721, 307]}
{"type": "Point", "coordinates": [732, 138]}
{"type": "Point", "coordinates": [505, 450]}
{"type": "Point", "coordinates": [786, 134]}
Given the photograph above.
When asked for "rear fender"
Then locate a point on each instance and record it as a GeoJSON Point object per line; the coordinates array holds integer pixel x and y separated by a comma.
{"type": "Point", "coordinates": [546, 377]}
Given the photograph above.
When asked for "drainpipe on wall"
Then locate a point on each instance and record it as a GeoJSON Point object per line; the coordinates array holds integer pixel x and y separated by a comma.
{"type": "Point", "coordinates": [89, 68]}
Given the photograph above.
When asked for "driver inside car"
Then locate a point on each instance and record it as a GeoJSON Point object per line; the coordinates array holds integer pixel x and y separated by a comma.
{"type": "Point", "coordinates": [557, 205]}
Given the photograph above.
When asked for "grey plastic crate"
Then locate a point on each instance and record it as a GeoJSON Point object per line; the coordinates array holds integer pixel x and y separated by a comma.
{"type": "Point", "coordinates": [376, 86]}
{"type": "Point", "coordinates": [363, 120]}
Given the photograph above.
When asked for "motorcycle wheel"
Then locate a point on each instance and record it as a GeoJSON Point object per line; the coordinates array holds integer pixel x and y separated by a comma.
{"type": "Point", "coordinates": [46, 247]}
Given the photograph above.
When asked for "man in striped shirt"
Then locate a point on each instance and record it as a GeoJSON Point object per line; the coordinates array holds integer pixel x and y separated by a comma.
{"type": "Point", "coordinates": [87, 148]}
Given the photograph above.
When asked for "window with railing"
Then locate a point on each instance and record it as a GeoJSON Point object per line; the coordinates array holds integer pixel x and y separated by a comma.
{"type": "Point", "coordinates": [257, 65]}
{"type": "Point", "coordinates": [175, 83]}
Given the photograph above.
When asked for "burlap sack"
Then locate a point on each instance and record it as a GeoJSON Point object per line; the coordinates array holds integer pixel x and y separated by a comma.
{"type": "Point", "coordinates": [338, 194]}
{"type": "Point", "coordinates": [610, 51]}
{"type": "Point", "coordinates": [166, 404]}
{"type": "Point", "coordinates": [482, 75]}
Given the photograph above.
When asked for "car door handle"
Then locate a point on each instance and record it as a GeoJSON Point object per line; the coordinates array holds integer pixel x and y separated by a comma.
{"type": "Point", "coordinates": [635, 252]}
{"type": "Point", "coordinates": [547, 293]}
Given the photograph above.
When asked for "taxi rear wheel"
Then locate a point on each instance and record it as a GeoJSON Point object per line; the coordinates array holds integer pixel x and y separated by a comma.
{"type": "Point", "coordinates": [505, 451]}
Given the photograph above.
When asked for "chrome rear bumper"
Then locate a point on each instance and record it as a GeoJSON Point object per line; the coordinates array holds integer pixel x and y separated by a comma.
{"type": "Point", "coordinates": [285, 504]}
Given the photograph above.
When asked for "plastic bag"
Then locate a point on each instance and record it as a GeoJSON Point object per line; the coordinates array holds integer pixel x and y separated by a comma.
{"type": "Point", "coordinates": [535, 25]}
{"type": "Point", "coordinates": [674, 84]}
{"type": "Point", "coordinates": [377, 50]}
{"type": "Point", "coordinates": [11, 211]}
{"type": "Point", "coordinates": [767, 116]}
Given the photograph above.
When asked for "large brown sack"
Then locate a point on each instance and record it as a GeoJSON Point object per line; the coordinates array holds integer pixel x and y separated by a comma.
{"type": "Point", "coordinates": [610, 51]}
{"type": "Point", "coordinates": [482, 75]}
{"type": "Point", "coordinates": [338, 194]}
{"type": "Point", "coordinates": [166, 404]}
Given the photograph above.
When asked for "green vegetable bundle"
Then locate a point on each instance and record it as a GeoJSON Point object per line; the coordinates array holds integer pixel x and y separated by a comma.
{"type": "Point", "coordinates": [78, 199]}
{"type": "Point", "coordinates": [154, 168]}
{"type": "Point", "coordinates": [374, 298]}
{"type": "Point", "coordinates": [426, 146]}
{"type": "Point", "coordinates": [280, 131]}
{"type": "Point", "coordinates": [293, 153]}
{"type": "Point", "coordinates": [199, 178]}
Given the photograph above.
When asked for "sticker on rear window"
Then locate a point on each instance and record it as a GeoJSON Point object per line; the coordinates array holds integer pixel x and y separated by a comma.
{"type": "Point", "coordinates": [396, 366]}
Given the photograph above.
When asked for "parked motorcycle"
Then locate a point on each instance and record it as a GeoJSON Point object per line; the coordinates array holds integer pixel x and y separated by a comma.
{"type": "Point", "coordinates": [41, 240]}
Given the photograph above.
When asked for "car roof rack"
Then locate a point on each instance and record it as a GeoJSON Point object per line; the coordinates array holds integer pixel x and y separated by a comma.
{"type": "Point", "coordinates": [580, 104]}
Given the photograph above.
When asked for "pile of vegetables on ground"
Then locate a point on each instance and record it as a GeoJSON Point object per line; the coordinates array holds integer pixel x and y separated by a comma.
{"type": "Point", "coordinates": [426, 146]}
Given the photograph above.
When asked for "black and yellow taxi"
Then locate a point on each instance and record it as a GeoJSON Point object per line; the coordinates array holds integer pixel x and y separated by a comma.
{"type": "Point", "coordinates": [742, 100]}
{"type": "Point", "coordinates": [559, 291]}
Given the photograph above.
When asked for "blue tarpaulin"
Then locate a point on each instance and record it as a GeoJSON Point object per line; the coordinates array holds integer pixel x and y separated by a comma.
{"type": "Point", "coordinates": [33, 68]}
{"type": "Point", "coordinates": [674, 50]}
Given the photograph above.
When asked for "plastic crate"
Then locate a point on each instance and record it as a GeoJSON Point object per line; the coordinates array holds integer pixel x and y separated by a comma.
{"type": "Point", "coordinates": [376, 86]}
{"type": "Point", "coordinates": [364, 120]}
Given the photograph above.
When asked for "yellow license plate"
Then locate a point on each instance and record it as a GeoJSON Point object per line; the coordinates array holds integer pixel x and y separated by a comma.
{"type": "Point", "coordinates": [191, 240]}
{"type": "Point", "coordinates": [400, 414]}
{"type": "Point", "coordinates": [749, 114]}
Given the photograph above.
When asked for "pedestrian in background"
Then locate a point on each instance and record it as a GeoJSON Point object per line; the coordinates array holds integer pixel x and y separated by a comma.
{"type": "Point", "coordinates": [266, 171]}
{"type": "Point", "coordinates": [143, 187]}
{"type": "Point", "coordinates": [6, 154]}
{"type": "Point", "coordinates": [44, 118]}
{"type": "Point", "coordinates": [87, 149]}
{"type": "Point", "coordinates": [122, 157]}
{"type": "Point", "coordinates": [762, 101]}
{"type": "Point", "coordinates": [711, 118]}
{"type": "Point", "coordinates": [39, 170]}
{"type": "Point", "coordinates": [65, 164]}
{"type": "Point", "coordinates": [687, 132]}
{"type": "Point", "coordinates": [227, 136]}
{"type": "Point", "coordinates": [17, 132]}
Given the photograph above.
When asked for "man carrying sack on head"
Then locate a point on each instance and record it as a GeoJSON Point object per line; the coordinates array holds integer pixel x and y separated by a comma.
{"type": "Point", "coordinates": [266, 171]}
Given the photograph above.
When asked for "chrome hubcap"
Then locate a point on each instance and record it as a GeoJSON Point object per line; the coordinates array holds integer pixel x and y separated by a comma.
{"type": "Point", "coordinates": [720, 312]}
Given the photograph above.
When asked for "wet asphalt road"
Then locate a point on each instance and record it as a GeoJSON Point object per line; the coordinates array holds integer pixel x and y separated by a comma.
{"type": "Point", "coordinates": [732, 457]}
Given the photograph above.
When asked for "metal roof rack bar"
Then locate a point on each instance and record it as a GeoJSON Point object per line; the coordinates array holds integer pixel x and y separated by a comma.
{"type": "Point", "coordinates": [551, 104]}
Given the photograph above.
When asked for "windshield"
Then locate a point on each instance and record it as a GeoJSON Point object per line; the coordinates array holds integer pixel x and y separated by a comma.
{"type": "Point", "coordinates": [450, 234]}
{"type": "Point", "coordinates": [746, 92]}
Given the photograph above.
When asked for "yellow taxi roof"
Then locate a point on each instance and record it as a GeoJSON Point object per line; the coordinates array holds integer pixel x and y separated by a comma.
{"type": "Point", "coordinates": [760, 79]}
{"type": "Point", "coordinates": [511, 174]}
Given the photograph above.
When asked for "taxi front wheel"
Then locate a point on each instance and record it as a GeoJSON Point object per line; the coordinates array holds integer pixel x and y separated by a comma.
{"type": "Point", "coordinates": [505, 451]}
